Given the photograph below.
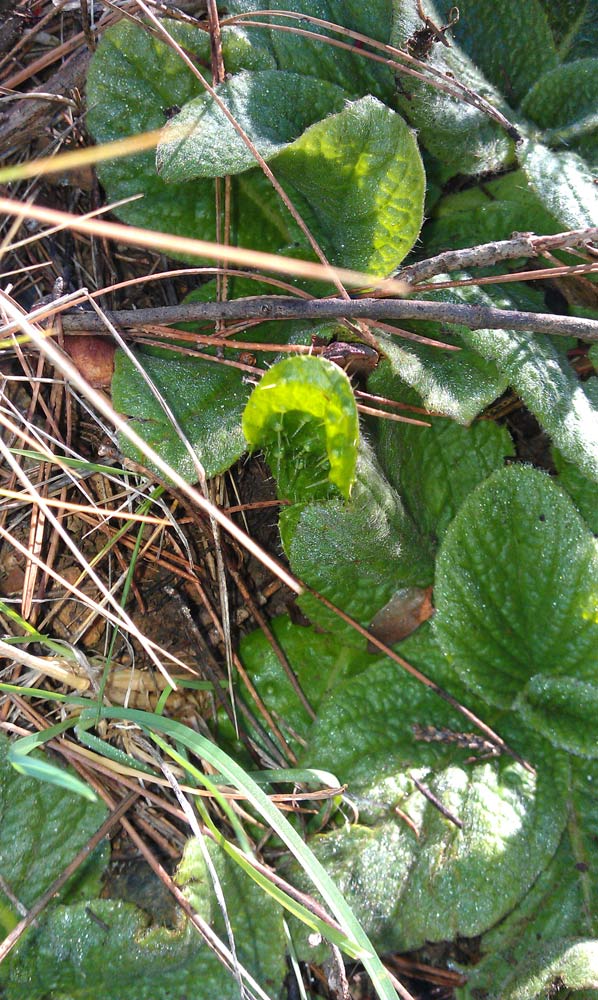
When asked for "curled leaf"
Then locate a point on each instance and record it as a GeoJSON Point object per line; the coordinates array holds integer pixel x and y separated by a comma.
{"type": "Point", "coordinates": [304, 416]}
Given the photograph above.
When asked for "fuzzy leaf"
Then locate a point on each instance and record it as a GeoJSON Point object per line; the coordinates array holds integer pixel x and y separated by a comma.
{"type": "Point", "coordinates": [119, 955]}
{"type": "Point", "coordinates": [409, 892]}
{"type": "Point", "coordinates": [457, 383]}
{"type": "Point", "coordinates": [512, 46]}
{"type": "Point", "coordinates": [97, 951]}
{"type": "Point", "coordinates": [304, 416]}
{"type": "Point", "coordinates": [564, 710]}
{"type": "Point", "coordinates": [570, 965]}
{"type": "Point", "coordinates": [435, 468]}
{"type": "Point", "coordinates": [549, 388]}
{"type": "Point", "coordinates": [559, 908]}
{"type": "Point", "coordinates": [358, 553]}
{"type": "Point", "coordinates": [461, 138]}
{"type": "Point", "coordinates": [564, 183]}
{"type": "Point", "coordinates": [582, 490]}
{"type": "Point", "coordinates": [347, 69]}
{"type": "Point", "coordinates": [573, 24]}
{"type": "Point", "coordinates": [43, 827]}
{"type": "Point", "coordinates": [516, 583]}
{"type": "Point", "coordinates": [492, 211]}
{"type": "Point", "coordinates": [271, 106]}
{"type": "Point", "coordinates": [408, 887]}
{"type": "Point", "coordinates": [563, 103]}
{"type": "Point", "coordinates": [361, 179]}
{"type": "Point", "coordinates": [207, 399]}
{"type": "Point", "coordinates": [547, 970]}
{"type": "Point", "coordinates": [365, 746]}
{"type": "Point", "coordinates": [379, 169]}
{"type": "Point", "coordinates": [318, 660]}
{"type": "Point", "coordinates": [545, 382]}
{"type": "Point", "coordinates": [256, 923]}
{"type": "Point", "coordinates": [151, 80]}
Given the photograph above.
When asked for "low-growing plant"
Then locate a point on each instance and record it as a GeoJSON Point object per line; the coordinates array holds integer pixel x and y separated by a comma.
{"type": "Point", "coordinates": [470, 757]}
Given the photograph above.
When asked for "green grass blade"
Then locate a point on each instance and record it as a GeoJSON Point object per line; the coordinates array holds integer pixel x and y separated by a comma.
{"type": "Point", "coordinates": [233, 773]}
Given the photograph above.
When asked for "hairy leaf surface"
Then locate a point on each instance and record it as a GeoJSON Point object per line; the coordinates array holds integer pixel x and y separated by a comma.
{"type": "Point", "coordinates": [435, 468]}
{"type": "Point", "coordinates": [272, 107]}
{"type": "Point", "coordinates": [35, 852]}
{"type": "Point", "coordinates": [516, 583]}
{"type": "Point", "coordinates": [206, 398]}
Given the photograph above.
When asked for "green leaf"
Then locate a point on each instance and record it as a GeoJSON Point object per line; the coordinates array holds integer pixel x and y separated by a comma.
{"type": "Point", "coordinates": [366, 153]}
{"type": "Point", "coordinates": [543, 379]}
{"type": "Point", "coordinates": [583, 41]}
{"type": "Point", "coordinates": [361, 180]}
{"type": "Point", "coordinates": [304, 416]}
{"type": "Point", "coordinates": [546, 971]}
{"type": "Point", "coordinates": [407, 879]}
{"type": "Point", "coordinates": [435, 468]}
{"type": "Point", "coordinates": [516, 587]}
{"type": "Point", "coordinates": [256, 921]}
{"type": "Point", "coordinates": [151, 79]}
{"type": "Point", "coordinates": [108, 950]}
{"type": "Point", "coordinates": [21, 758]}
{"type": "Point", "coordinates": [134, 80]}
{"type": "Point", "coordinates": [133, 57]}
{"type": "Point", "coordinates": [564, 183]}
{"type": "Point", "coordinates": [101, 950]}
{"type": "Point", "coordinates": [569, 965]}
{"type": "Point", "coordinates": [559, 908]}
{"type": "Point", "coordinates": [564, 710]}
{"type": "Point", "coordinates": [206, 398]}
{"type": "Point", "coordinates": [461, 138]}
{"type": "Point", "coordinates": [272, 107]}
{"type": "Point", "coordinates": [43, 827]}
{"type": "Point", "coordinates": [457, 383]}
{"type": "Point", "coordinates": [563, 103]}
{"type": "Point", "coordinates": [357, 554]}
{"type": "Point", "coordinates": [573, 23]}
{"type": "Point", "coordinates": [364, 724]}
{"type": "Point", "coordinates": [318, 660]}
{"type": "Point", "coordinates": [52, 775]}
{"type": "Point", "coordinates": [298, 53]}
{"type": "Point", "coordinates": [492, 211]}
{"type": "Point", "coordinates": [512, 45]}
{"type": "Point", "coordinates": [580, 488]}
{"type": "Point", "coordinates": [550, 389]}
{"type": "Point", "coordinates": [233, 774]}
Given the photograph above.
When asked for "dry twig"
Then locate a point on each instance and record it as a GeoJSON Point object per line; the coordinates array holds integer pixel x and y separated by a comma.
{"type": "Point", "coordinates": [277, 307]}
{"type": "Point", "coordinates": [521, 245]}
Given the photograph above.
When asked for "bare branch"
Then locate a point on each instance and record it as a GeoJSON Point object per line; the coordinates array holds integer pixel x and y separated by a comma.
{"type": "Point", "coordinates": [522, 245]}
{"type": "Point", "coordinates": [277, 307]}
